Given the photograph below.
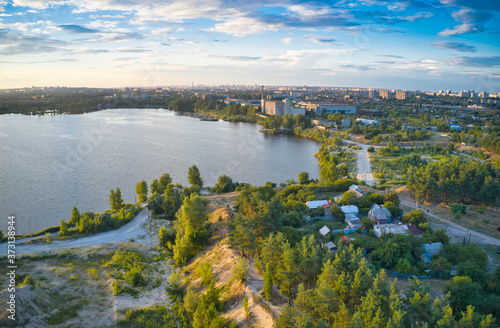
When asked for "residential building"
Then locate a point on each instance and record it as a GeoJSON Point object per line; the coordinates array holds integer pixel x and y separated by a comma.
{"type": "Point", "coordinates": [414, 230]}
{"type": "Point", "coordinates": [353, 221]}
{"type": "Point", "coordinates": [366, 121]}
{"type": "Point", "coordinates": [430, 249]}
{"type": "Point", "coordinates": [348, 209]}
{"type": "Point", "coordinates": [324, 231]}
{"type": "Point", "coordinates": [280, 107]}
{"type": "Point", "coordinates": [356, 189]}
{"type": "Point", "coordinates": [330, 108]}
{"type": "Point", "coordinates": [402, 95]}
{"type": "Point", "coordinates": [394, 229]}
{"type": "Point", "coordinates": [331, 246]}
{"type": "Point", "coordinates": [346, 122]}
{"type": "Point", "coordinates": [372, 94]}
{"type": "Point", "coordinates": [325, 204]}
{"type": "Point", "coordinates": [380, 215]}
{"type": "Point", "coordinates": [385, 94]}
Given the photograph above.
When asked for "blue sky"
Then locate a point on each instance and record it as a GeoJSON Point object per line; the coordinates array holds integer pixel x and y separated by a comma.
{"type": "Point", "coordinates": [425, 45]}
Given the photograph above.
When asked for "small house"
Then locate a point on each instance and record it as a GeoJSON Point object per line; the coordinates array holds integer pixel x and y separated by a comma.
{"type": "Point", "coordinates": [331, 246]}
{"type": "Point", "coordinates": [324, 231]}
{"type": "Point", "coordinates": [430, 249]}
{"type": "Point", "coordinates": [356, 189]}
{"type": "Point", "coordinates": [346, 240]}
{"type": "Point", "coordinates": [414, 230]}
{"type": "Point", "coordinates": [350, 209]}
{"type": "Point", "coordinates": [394, 229]}
{"type": "Point", "coordinates": [380, 215]}
{"type": "Point", "coordinates": [353, 221]}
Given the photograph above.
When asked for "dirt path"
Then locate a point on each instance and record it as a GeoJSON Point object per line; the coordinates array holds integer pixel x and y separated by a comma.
{"type": "Point", "coordinates": [455, 229]}
{"type": "Point", "coordinates": [132, 230]}
{"type": "Point", "coordinates": [363, 163]}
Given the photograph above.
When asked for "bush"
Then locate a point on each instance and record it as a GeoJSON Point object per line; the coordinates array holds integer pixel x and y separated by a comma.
{"type": "Point", "coordinates": [239, 271]}
{"type": "Point", "coordinates": [371, 149]}
{"type": "Point", "coordinates": [135, 277]}
{"type": "Point", "coordinates": [480, 209]}
{"type": "Point", "coordinates": [204, 269]}
{"type": "Point", "coordinates": [458, 208]}
{"type": "Point", "coordinates": [28, 280]}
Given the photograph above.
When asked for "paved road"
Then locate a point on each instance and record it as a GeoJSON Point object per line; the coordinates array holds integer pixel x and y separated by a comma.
{"type": "Point", "coordinates": [131, 230]}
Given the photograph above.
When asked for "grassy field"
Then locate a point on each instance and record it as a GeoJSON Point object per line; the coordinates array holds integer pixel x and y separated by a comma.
{"type": "Point", "coordinates": [486, 222]}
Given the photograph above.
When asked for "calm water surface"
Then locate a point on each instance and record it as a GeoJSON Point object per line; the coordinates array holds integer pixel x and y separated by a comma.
{"type": "Point", "coordinates": [48, 164]}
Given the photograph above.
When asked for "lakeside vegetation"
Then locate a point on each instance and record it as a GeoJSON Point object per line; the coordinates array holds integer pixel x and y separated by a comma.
{"type": "Point", "coordinates": [304, 284]}
{"type": "Point", "coordinates": [266, 226]}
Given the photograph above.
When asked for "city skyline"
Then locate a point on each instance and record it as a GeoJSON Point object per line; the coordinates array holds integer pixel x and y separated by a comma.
{"type": "Point", "coordinates": [425, 45]}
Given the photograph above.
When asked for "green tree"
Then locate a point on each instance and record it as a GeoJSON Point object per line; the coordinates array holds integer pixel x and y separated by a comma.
{"type": "Point", "coordinates": [194, 177]}
{"type": "Point", "coordinates": [115, 199]}
{"type": "Point", "coordinates": [63, 229]}
{"type": "Point", "coordinates": [172, 202]}
{"type": "Point", "coordinates": [392, 197]}
{"type": "Point", "coordinates": [163, 236]}
{"type": "Point", "coordinates": [155, 203]}
{"type": "Point", "coordinates": [328, 174]}
{"type": "Point", "coordinates": [268, 283]}
{"type": "Point", "coordinates": [286, 318]}
{"type": "Point", "coordinates": [75, 216]}
{"type": "Point", "coordinates": [239, 271]}
{"type": "Point", "coordinates": [224, 184]}
{"type": "Point", "coordinates": [441, 236]}
{"type": "Point", "coordinates": [191, 301]}
{"type": "Point", "coordinates": [393, 208]}
{"type": "Point", "coordinates": [304, 177]}
{"type": "Point", "coordinates": [245, 306]}
{"type": "Point", "coordinates": [349, 197]}
{"type": "Point", "coordinates": [142, 191]}
{"type": "Point", "coordinates": [165, 179]}
{"type": "Point", "coordinates": [463, 292]}
{"type": "Point", "coordinates": [155, 186]}
{"type": "Point", "coordinates": [416, 217]}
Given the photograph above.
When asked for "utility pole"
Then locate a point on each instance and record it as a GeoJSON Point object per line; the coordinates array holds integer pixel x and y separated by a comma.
{"type": "Point", "coordinates": [30, 231]}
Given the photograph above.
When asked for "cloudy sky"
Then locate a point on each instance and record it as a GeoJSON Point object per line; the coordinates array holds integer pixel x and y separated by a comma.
{"type": "Point", "coordinates": [425, 45]}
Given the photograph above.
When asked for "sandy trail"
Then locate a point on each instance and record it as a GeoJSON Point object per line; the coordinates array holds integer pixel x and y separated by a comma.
{"type": "Point", "coordinates": [363, 163]}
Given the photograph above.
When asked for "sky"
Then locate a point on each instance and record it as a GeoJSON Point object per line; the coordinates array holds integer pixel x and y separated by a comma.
{"type": "Point", "coordinates": [413, 45]}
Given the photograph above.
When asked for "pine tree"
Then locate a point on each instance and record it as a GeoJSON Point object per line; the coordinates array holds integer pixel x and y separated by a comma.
{"type": "Point", "coordinates": [194, 177]}
{"type": "Point", "coordinates": [268, 284]}
{"type": "Point", "coordinates": [142, 191]}
{"type": "Point", "coordinates": [245, 306]}
{"type": "Point", "coordinates": [118, 199]}
{"type": "Point", "coordinates": [112, 199]}
{"type": "Point", "coordinates": [75, 216]}
{"type": "Point", "coordinates": [63, 230]}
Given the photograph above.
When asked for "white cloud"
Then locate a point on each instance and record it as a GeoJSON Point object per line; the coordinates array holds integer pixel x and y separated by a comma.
{"type": "Point", "coordinates": [161, 31]}
{"type": "Point", "coordinates": [460, 29]}
{"type": "Point", "coordinates": [243, 26]}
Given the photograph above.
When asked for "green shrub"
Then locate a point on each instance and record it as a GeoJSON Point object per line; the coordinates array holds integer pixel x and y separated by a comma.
{"type": "Point", "coordinates": [239, 271]}
{"type": "Point", "coordinates": [135, 277]}
{"type": "Point", "coordinates": [205, 271]}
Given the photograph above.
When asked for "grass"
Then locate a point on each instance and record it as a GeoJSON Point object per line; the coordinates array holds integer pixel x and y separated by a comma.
{"type": "Point", "coordinates": [66, 311]}
{"type": "Point", "coordinates": [486, 222]}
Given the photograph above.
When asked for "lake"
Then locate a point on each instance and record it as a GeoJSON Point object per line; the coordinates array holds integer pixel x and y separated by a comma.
{"type": "Point", "coordinates": [48, 164]}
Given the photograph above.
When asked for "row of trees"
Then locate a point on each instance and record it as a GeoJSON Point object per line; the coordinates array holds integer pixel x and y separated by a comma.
{"type": "Point", "coordinates": [454, 180]}
{"type": "Point", "coordinates": [89, 222]}
{"type": "Point", "coordinates": [348, 294]}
